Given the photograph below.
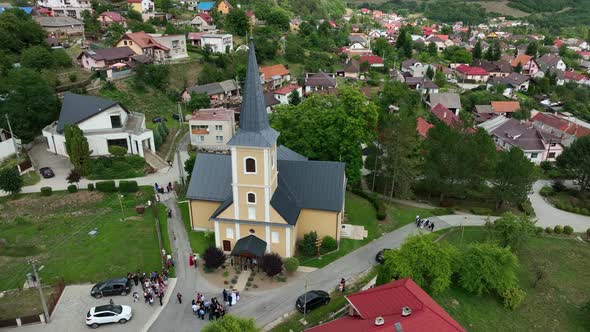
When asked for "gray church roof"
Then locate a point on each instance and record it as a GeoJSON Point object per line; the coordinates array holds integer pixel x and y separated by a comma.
{"type": "Point", "coordinates": [254, 127]}
{"type": "Point", "coordinates": [284, 153]}
{"type": "Point", "coordinates": [77, 108]}
{"type": "Point", "coordinates": [211, 178]}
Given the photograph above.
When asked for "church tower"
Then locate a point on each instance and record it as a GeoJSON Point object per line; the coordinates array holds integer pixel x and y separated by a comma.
{"type": "Point", "coordinates": [253, 155]}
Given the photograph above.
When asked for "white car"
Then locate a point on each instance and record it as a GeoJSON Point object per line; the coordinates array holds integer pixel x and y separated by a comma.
{"type": "Point", "coordinates": [110, 313]}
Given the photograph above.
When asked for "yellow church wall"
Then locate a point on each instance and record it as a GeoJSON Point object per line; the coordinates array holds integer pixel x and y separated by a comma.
{"type": "Point", "coordinates": [200, 211]}
{"type": "Point", "coordinates": [280, 247]}
{"type": "Point", "coordinates": [244, 205]}
{"type": "Point", "coordinates": [322, 222]}
{"type": "Point", "coordinates": [228, 213]}
{"type": "Point", "coordinates": [276, 217]}
{"type": "Point", "coordinates": [250, 179]}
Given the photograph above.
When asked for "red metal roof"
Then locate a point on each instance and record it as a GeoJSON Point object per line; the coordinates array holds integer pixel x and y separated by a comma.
{"type": "Point", "coordinates": [468, 70]}
{"type": "Point", "coordinates": [387, 301]}
{"type": "Point", "coordinates": [371, 59]}
{"type": "Point", "coordinates": [423, 126]}
{"type": "Point", "coordinates": [570, 75]}
{"type": "Point", "coordinates": [114, 16]}
{"type": "Point", "coordinates": [213, 114]}
{"type": "Point", "coordinates": [444, 114]}
{"type": "Point", "coordinates": [286, 89]}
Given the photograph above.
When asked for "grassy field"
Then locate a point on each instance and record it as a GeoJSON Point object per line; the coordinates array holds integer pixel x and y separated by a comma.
{"type": "Point", "coordinates": [570, 200]}
{"type": "Point", "coordinates": [358, 212]}
{"type": "Point", "coordinates": [199, 240]}
{"type": "Point", "coordinates": [126, 167]}
{"type": "Point", "coordinates": [54, 230]}
{"type": "Point", "coordinates": [19, 303]}
{"type": "Point", "coordinates": [556, 304]}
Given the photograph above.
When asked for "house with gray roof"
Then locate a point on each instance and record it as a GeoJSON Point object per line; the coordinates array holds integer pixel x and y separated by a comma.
{"type": "Point", "coordinates": [60, 25]}
{"type": "Point", "coordinates": [104, 122]}
{"type": "Point", "coordinates": [104, 57]}
{"type": "Point", "coordinates": [217, 91]}
{"type": "Point", "coordinates": [452, 101]}
{"type": "Point", "coordinates": [263, 197]}
{"type": "Point", "coordinates": [319, 81]}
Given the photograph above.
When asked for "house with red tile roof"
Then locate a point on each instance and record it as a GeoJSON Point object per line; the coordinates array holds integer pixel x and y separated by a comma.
{"type": "Point", "coordinates": [203, 22]}
{"type": "Point", "coordinates": [400, 305]}
{"type": "Point", "coordinates": [283, 94]}
{"type": "Point", "coordinates": [108, 18]}
{"type": "Point", "coordinates": [570, 76]}
{"type": "Point", "coordinates": [505, 108]}
{"type": "Point", "coordinates": [372, 60]}
{"type": "Point", "coordinates": [564, 128]}
{"type": "Point", "coordinates": [274, 76]}
{"type": "Point", "coordinates": [445, 115]}
{"type": "Point", "coordinates": [466, 73]}
{"type": "Point", "coordinates": [527, 63]}
{"type": "Point", "coordinates": [423, 126]}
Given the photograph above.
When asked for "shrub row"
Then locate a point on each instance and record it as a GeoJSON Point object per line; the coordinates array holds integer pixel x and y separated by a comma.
{"type": "Point", "coordinates": [106, 186]}
{"type": "Point", "coordinates": [567, 230]}
{"type": "Point", "coordinates": [46, 191]}
{"type": "Point", "coordinates": [375, 201]}
{"type": "Point", "coordinates": [128, 186]}
{"type": "Point", "coordinates": [481, 211]}
{"type": "Point", "coordinates": [571, 208]}
{"type": "Point", "coordinates": [111, 187]}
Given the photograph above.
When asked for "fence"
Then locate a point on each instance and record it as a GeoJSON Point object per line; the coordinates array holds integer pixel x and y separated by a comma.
{"type": "Point", "coordinates": [54, 298]}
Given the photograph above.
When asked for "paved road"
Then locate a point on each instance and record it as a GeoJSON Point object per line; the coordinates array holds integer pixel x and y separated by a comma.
{"type": "Point", "coordinates": [547, 215]}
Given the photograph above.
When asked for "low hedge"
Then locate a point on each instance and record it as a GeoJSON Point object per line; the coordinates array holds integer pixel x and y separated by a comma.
{"type": "Point", "coordinates": [46, 191]}
{"type": "Point", "coordinates": [72, 188]}
{"type": "Point", "coordinates": [106, 186]}
{"type": "Point", "coordinates": [377, 202]}
{"type": "Point", "coordinates": [568, 230]}
{"type": "Point", "coordinates": [91, 187]}
{"type": "Point", "coordinates": [481, 211]}
{"type": "Point", "coordinates": [547, 191]}
{"type": "Point", "coordinates": [558, 229]}
{"type": "Point", "coordinates": [128, 186]}
{"type": "Point", "coordinates": [548, 230]}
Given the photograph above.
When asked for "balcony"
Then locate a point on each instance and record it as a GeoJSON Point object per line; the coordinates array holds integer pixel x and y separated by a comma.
{"type": "Point", "coordinates": [200, 131]}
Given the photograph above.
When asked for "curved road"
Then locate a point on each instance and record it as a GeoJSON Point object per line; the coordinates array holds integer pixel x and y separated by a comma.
{"type": "Point", "coordinates": [549, 216]}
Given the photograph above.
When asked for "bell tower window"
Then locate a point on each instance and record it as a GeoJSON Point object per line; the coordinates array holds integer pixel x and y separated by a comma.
{"type": "Point", "coordinates": [250, 165]}
{"type": "Point", "coordinates": [251, 198]}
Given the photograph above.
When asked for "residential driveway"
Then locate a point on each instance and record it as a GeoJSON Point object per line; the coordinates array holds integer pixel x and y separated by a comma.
{"type": "Point", "coordinates": [549, 216]}
{"type": "Point", "coordinates": [70, 313]}
{"type": "Point", "coordinates": [60, 165]}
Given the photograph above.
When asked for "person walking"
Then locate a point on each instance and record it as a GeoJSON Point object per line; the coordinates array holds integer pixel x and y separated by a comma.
{"type": "Point", "coordinates": [195, 308]}
{"type": "Point", "coordinates": [224, 296]}
{"type": "Point", "coordinates": [161, 296]}
{"type": "Point", "coordinates": [136, 278]}
{"type": "Point", "coordinates": [431, 226]}
{"type": "Point", "coordinates": [179, 297]}
{"type": "Point", "coordinates": [191, 259]}
{"type": "Point", "coordinates": [195, 260]}
{"type": "Point", "coordinates": [342, 285]}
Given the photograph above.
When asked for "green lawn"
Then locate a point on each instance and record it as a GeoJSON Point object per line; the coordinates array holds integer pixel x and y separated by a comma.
{"type": "Point", "coordinates": [555, 305]}
{"type": "Point", "coordinates": [125, 167]}
{"type": "Point", "coordinates": [571, 200]}
{"type": "Point", "coordinates": [19, 303]}
{"type": "Point", "coordinates": [199, 240]}
{"type": "Point", "coordinates": [55, 230]}
{"type": "Point", "coordinates": [359, 212]}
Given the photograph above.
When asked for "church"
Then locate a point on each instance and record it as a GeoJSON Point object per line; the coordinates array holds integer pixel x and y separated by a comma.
{"type": "Point", "coordinates": [262, 197]}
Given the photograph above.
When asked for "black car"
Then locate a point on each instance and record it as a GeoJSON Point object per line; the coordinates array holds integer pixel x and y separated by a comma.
{"type": "Point", "coordinates": [158, 119]}
{"type": "Point", "coordinates": [380, 258]}
{"type": "Point", "coordinates": [312, 300]}
{"type": "Point", "coordinates": [176, 116]}
{"type": "Point", "coordinates": [46, 172]}
{"type": "Point", "coordinates": [116, 286]}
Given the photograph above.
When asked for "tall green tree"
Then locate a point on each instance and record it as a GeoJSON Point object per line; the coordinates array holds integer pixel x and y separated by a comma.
{"type": "Point", "coordinates": [229, 323]}
{"type": "Point", "coordinates": [457, 54]}
{"type": "Point", "coordinates": [476, 52]}
{"type": "Point", "coordinates": [428, 263]}
{"type": "Point", "coordinates": [91, 24]}
{"type": "Point", "coordinates": [29, 101]}
{"type": "Point", "coordinates": [399, 143]}
{"type": "Point", "coordinates": [439, 79]}
{"type": "Point", "coordinates": [574, 162]}
{"type": "Point", "coordinates": [294, 98]}
{"type": "Point", "coordinates": [153, 75]}
{"type": "Point", "coordinates": [486, 267]}
{"type": "Point", "coordinates": [532, 49]}
{"type": "Point", "coordinates": [514, 177]}
{"type": "Point", "coordinates": [37, 57]}
{"type": "Point", "coordinates": [78, 149]}
{"type": "Point", "coordinates": [430, 72]}
{"type": "Point", "coordinates": [432, 50]}
{"type": "Point", "coordinates": [18, 31]}
{"type": "Point", "coordinates": [10, 180]}
{"type": "Point", "coordinates": [328, 127]}
{"type": "Point", "coordinates": [237, 22]}
{"type": "Point", "coordinates": [294, 49]}
{"type": "Point", "coordinates": [198, 101]}
{"type": "Point", "coordinates": [514, 231]}
{"type": "Point", "coordinates": [279, 19]}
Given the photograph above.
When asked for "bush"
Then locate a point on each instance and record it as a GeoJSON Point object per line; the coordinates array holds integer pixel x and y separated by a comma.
{"type": "Point", "coordinates": [106, 186]}
{"type": "Point", "coordinates": [272, 264]}
{"type": "Point", "coordinates": [72, 188]}
{"type": "Point", "coordinates": [307, 246]}
{"type": "Point", "coordinates": [117, 151]}
{"type": "Point", "coordinates": [568, 230]}
{"type": "Point", "coordinates": [558, 185]}
{"type": "Point", "coordinates": [513, 297]}
{"type": "Point", "coordinates": [291, 264]}
{"type": "Point", "coordinates": [558, 229]}
{"type": "Point", "coordinates": [481, 211]}
{"type": "Point", "coordinates": [213, 257]}
{"type": "Point", "coordinates": [328, 244]}
{"type": "Point", "coordinates": [546, 191]}
{"type": "Point", "coordinates": [527, 208]}
{"type": "Point", "coordinates": [73, 77]}
{"type": "Point", "coordinates": [281, 279]}
{"type": "Point", "coordinates": [539, 230]}
{"type": "Point", "coordinates": [91, 187]}
{"type": "Point", "coordinates": [128, 186]}
{"type": "Point", "coordinates": [546, 165]}
{"type": "Point", "coordinates": [375, 201]}
{"type": "Point", "coordinates": [548, 230]}
{"type": "Point", "coordinates": [46, 191]}
{"type": "Point", "coordinates": [584, 211]}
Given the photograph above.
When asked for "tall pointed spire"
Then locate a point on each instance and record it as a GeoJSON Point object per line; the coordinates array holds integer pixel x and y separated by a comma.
{"type": "Point", "coordinates": [254, 127]}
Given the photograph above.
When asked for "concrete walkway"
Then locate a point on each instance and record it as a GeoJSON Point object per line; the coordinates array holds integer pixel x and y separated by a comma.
{"type": "Point", "coordinates": [549, 216]}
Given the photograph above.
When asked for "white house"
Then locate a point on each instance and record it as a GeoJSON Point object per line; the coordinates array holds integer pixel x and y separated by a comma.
{"type": "Point", "coordinates": [104, 123]}
{"type": "Point", "coordinates": [203, 22]}
{"type": "Point", "coordinates": [219, 43]}
{"type": "Point", "coordinates": [212, 128]}
{"type": "Point", "coordinates": [283, 94]}
{"type": "Point", "coordinates": [8, 144]}
{"type": "Point", "coordinates": [176, 45]}
{"type": "Point", "coordinates": [72, 8]}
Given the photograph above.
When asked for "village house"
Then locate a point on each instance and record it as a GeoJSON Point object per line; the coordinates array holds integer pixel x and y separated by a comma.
{"type": "Point", "coordinates": [415, 68]}
{"type": "Point", "coordinates": [397, 306]}
{"type": "Point", "coordinates": [445, 115]}
{"type": "Point", "coordinates": [513, 83]}
{"type": "Point", "coordinates": [203, 22]}
{"type": "Point", "coordinates": [441, 41]}
{"type": "Point", "coordinates": [108, 18]}
{"type": "Point", "coordinates": [358, 41]}
{"type": "Point", "coordinates": [506, 108]}
{"type": "Point", "coordinates": [468, 74]}
{"type": "Point", "coordinates": [104, 57]}
{"type": "Point", "coordinates": [218, 43]}
{"type": "Point", "coordinates": [451, 101]}
{"type": "Point", "coordinates": [421, 84]}
{"type": "Point", "coordinates": [483, 113]}
{"type": "Point", "coordinates": [283, 94]}
{"type": "Point", "coordinates": [251, 17]}
{"type": "Point", "coordinates": [570, 76]}
{"type": "Point", "coordinates": [566, 129]}
{"type": "Point", "coordinates": [71, 8]}
{"type": "Point", "coordinates": [537, 146]}
{"type": "Point", "coordinates": [270, 101]}
{"type": "Point", "coordinates": [494, 68]}
{"type": "Point", "coordinates": [212, 128]}
{"type": "Point", "coordinates": [551, 61]}
{"type": "Point", "coordinates": [104, 123]}
{"type": "Point", "coordinates": [224, 7]}
{"type": "Point", "coordinates": [373, 61]}
{"type": "Point", "coordinates": [176, 45]}
{"type": "Point", "coordinates": [352, 69]}
{"type": "Point", "coordinates": [527, 63]}
{"type": "Point", "coordinates": [60, 26]}
{"type": "Point", "coordinates": [205, 6]}
{"type": "Point", "coordinates": [8, 144]}
{"type": "Point", "coordinates": [142, 6]}
{"type": "Point", "coordinates": [274, 76]}
{"type": "Point", "coordinates": [423, 126]}
{"type": "Point", "coordinates": [194, 38]}
{"type": "Point", "coordinates": [262, 197]}
{"type": "Point", "coordinates": [159, 47]}
{"type": "Point", "coordinates": [217, 91]}
{"type": "Point", "coordinates": [319, 81]}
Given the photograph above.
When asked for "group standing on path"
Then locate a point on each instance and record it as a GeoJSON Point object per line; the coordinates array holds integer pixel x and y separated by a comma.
{"type": "Point", "coordinates": [154, 285]}
{"type": "Point", "coordinates": [424, 223]}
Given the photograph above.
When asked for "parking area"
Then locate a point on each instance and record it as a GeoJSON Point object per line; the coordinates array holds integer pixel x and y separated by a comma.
{"type": "Point", "coordinates": [70, 313]}
{"type": "Point", "coordinates": [40, 157]}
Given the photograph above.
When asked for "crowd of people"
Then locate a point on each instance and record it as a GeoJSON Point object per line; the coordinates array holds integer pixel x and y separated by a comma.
{"type": "Point", "coordinates": [424, 223]}
{"type": "Point", "coordinates": [212, 307]}
{"type": "Point", "coordinates": [154, 285]}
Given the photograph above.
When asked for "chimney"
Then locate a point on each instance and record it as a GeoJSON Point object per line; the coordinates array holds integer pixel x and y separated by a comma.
{"type": "Point", "coordinates": [406, 311]}
{"type": "Point", "coordinates": [379, 321]}
{"type": "Point", "coordinates": [444, 115]}
{"type": "Point", "coordinates": [398, 327]}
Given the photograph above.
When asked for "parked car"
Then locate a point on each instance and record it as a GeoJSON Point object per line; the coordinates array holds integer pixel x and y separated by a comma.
{"type": "Point", "coordinates": [311, 300]}
{"type": "Point", "coordinates": [158, 119]}
{"type": "Point", "coordinates": [110, 313]}
{"type": "Point", "coordinates": [176, 116]}
{"type": "Point", "coordinates": [379, 257]}
{"type": "Point", "coordinates": [116, 286]}
{"type": "Point", "coordinates": [46, 172]}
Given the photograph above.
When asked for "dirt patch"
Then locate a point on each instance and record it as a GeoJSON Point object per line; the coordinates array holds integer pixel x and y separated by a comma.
{"type": "Point", "coordinates": [259, 280]}
{"type": "Point", "coordinates": [501, 7]}
{"type": "Point", "coordinates": [38, 205]}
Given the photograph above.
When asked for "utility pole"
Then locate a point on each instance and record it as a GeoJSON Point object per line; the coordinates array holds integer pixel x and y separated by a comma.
{"type": "Point", "coordinates": [12, 136]}
{"type": "Point", "coordinates": [180, 169]}
{"type": "Point", "coordinates": [38, 280]}
{"type": "Point", "coordinates": [305, 300]}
